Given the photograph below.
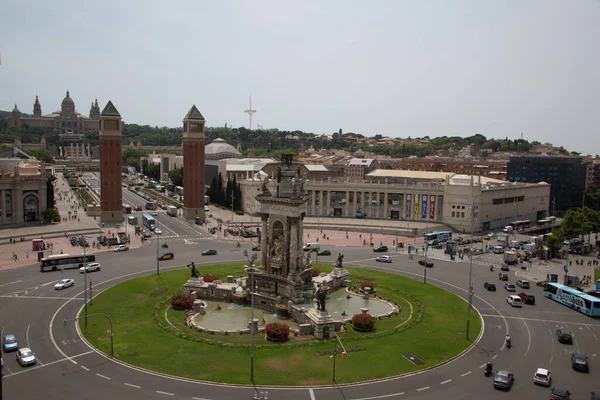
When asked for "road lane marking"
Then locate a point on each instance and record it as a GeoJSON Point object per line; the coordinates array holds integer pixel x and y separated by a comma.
{"type": "Point", "coordinates": [10, 283]}
{"type": "Point", "coordinates": [199, 398]}
{"type": "Point", "coordinates": [384, 396]}
{"type": "Point", "coordinates": [495, 356]}
{"type": "Point", "coordinates": [595, 337]}
{"type": "Point", "coordinates": [165, 393]}
{"type": "Point", "coordinates": [528, 338]}
{"type": "Point", "coordinates": [423, 388]}
{"type": "Point", "coordinates": [561, 323]}
{"type": "Point", "coordinates": [48, 364]}
{"type": "Point", "coordinates": [446, 381]}
{"type": "Point", "coordinates": [466, 373]}
{"type": "Point", "coordinates": [27, 335]}
{"type": "Point", "coordinates": [551, 357]}
{"type": "Point", "coordinates": [84, 367]}
{"type": "Point", "coordinates": [102, 376]}
{"type": "Point", "coordinates": [312, 394]}
{"type": "Point", "coordinates": [482, 365]}
{"type": "Point", "coordinates": [9, 296]}
{"type": "Point", "coordinates": [133, 386]}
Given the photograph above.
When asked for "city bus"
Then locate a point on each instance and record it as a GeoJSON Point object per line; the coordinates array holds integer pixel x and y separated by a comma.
{"type": "Point", "coordinates": [151, 205]}
{"type": "Point", "coordinates": [434, 238]}
{"type": "Point", "coordinates": [573, 298]}
{"type": "Point", "coordinates": [148, 221]}
{"type": "Point", "coordinates": [126, 209]}
{"type": "Point", "coordinates": [65, 261]}
{"type": "Point", "coordinates": [520, 225]}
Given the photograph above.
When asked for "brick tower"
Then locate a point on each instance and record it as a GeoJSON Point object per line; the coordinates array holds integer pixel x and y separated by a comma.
{"type": "Point", "coordinates": [193, 164]}
{"type": "Point", "coordinates": [111, 191]}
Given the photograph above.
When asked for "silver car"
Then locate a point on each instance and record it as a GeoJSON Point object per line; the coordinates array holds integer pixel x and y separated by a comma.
{"type": "Point", "coordinates": [65, 283]}
{"type": "Point", "coordinates": [25, 357]}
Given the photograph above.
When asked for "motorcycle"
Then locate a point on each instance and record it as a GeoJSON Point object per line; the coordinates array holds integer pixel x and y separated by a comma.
{"type": "Point", "coordinates": [508, 343]}
{"type": "Point", "coordinates": [492, 268]}
{"type": "Point", "coordinates": [165, 246]}
{"type": "Point", "coordinates": [488, 369]}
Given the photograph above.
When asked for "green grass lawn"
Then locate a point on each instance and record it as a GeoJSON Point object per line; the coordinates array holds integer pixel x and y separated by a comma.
{"type": "Point", "coordinates": [139, 340]}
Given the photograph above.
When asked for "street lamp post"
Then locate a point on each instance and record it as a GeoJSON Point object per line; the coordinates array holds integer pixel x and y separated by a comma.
{"type": "Point", "coordinates": [85, 285]}
{"type": "Point", "coordinates": [470, 276]}
{"type": "Point", "coordinates": [251, 269]}
{"type": "Point", "coordinates": [157, 244]}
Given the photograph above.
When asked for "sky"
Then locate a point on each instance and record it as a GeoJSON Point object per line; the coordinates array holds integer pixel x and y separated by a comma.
{"type": "Point", "coordinates": [396, 68]}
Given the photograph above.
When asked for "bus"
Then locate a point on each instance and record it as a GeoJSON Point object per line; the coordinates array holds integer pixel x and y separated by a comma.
{"type": "Point", "coordinates": [148, 221]}
{"type": "Point", "coordinates": [179, 190]}
{"type": "Point", "coordinates": [65, 261]}
{"type": "Point", "coordinates": [126, 209]}
{"type": "Point", "coordinates": [434, 238]}
{"type": "Point", "coordinates": [520, 225]}
{"type": "Point", "coordinates": [151, 205]}
{"type": "Point", "coordinates": [573, 298]}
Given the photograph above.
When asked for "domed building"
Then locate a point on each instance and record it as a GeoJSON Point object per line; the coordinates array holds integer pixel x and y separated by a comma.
{"type": "Point", "coordinates": [219, 149]}
{"type": "Point", "coordinates": [67, 123]}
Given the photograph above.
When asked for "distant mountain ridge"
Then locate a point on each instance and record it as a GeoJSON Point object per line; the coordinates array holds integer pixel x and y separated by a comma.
{"type": "Point", "coordinates": [6, 114]}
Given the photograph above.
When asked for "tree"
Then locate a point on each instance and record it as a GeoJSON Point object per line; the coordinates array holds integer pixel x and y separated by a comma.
{"type": "Point", "coordinates": [41, 154]}
{"type": "Point", "coordinates": [592, 198]}
{"type": "Point", "coordinates": [51, 215]}
{"type": "Point", "coordinates": [176, 175]}
{"type": "Point", "coordinates": [555, 242]}
{"type": "Point", "coordinates": [152, 171]}
{"type": "Point", "coordinates": [131, 157]}
{"type": "Point", "coordinates": [50, 192]}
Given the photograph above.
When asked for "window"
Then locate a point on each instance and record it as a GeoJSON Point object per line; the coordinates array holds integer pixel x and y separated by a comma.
{"type": "Point", "coordinates": [453, 214]}
{"type": "Point", "coordinates": [462, 214]}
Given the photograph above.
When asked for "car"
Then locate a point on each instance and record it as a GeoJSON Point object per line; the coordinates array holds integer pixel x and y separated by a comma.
{"type": "Point", "coordinates": [596, 395]}
{"type": "Point", "coordinates": [64, 283]}
{"type": "Point", "coordinates": [428, 263]}
{"type": "Point", "coordinates": [564, 336]}
{"type": "Point", "coordinates": [514, 300]}
{"type": "Point", "coordinates": [489, 286]}
{"type": "Point", "coordinates": [324, 253]}
{"type": "Point", "coordinates": [211, 252]}
{"type": "Point", "coordinates": [91, 267]}
{"type": "Point", "coordinates": [504, 267]}
{"type": "Point", "coordinates": [527, 297]}
{"type": "Point", "coordinates": [166, 256]}
{"type": "Point", "coordinates": [158, 231]}
{"type": "Point", "coordinates": [504, 380]}
{"type": "Point", "coordinates": [386, 259]}
{"type": "Point", "coordinates": [10, 343]}
{"type": "Point", "coordinates": [25, 357]}
{"type": "Point", "coordinates": [258, 247]}
{"type": "Point", "coordinates": [380, 249]}
{"type": "Point", "coordinates": [121, 247]}
{"type": "Point", "coordinates": [579, 362]}
{"type": "Point", "coordinates": [509, 287]}
{"type": "Point", "coordinates": [542, 283]}
{"type": "Point", "coordinates": [523, 283]}
{"type": "Point", "coordinates": [595, 293]}
{"type": "Point", "coordinates": [542, 377]}
{"type": "Point", "coordinates": [559, 394]}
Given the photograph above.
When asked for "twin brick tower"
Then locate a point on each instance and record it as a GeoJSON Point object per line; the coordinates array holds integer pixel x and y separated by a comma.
{"type": "Point", "coordinates": [111, 189]}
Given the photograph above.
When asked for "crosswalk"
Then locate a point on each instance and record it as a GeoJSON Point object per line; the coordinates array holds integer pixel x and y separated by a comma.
{"type": "Point", "coordinates": [185, 238]}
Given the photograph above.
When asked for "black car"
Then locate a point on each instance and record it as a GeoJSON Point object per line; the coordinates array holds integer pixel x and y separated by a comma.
{"type": "Point", "coordinates": [579, 362]}
{"type": "Point", "coordinates": [527, 297]}
{"type": "Point", "coordinates": [504, 380]}
{"type": "Point", "coordinates": [427, 263]}
{"type": "Point", "coordinates": [489, 286]}
{"type": "Point", "coordinates": [595, 293]}
{"type": "Point", "coordinates": [211, 252]}
{"type": "Point", "coordinates": [596, 395]}
{"type": "Point", "coordinates": [324, 253]}
{"type": "Point", "coordinates": [380, 249]}
{"type": "Point", "coordinates": [559, 394]}
{"type": "Point", "coordinates": [564, 336]}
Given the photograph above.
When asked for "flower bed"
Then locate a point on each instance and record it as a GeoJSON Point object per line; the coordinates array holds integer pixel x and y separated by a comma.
{"type": "Point", "coordinates": [277, 332]}
{"type": "Point", "coordinates": [210, 277]}
{"type": "Point", "coordinates": [363, 322]}
{"type": "Point", "coordinates": [182, 301]}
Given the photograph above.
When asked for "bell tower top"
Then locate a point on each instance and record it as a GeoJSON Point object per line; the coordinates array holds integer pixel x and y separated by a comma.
{"type": "Point", "coordinates": [37, 108]}
{"type": "Point", "coordinates": [193, 124]}
{"type": "Point", "coordinates": [110, 121]}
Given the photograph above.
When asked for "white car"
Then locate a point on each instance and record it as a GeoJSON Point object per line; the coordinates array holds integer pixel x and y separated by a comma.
{"type": "Point", "coordinates": [25, 357]}
{"type": "Point", "coordinates": [121, 247]}
{"type": "Point", "coordinates": [91, 267]}
{"type": "Point", "coordinates": [158, 231]}
{"type": "Point", "coordinates": [514, 300]}
{"type": "Point", "coordinates": [542, 377]}
{"type": "Point", "coordinates": [386, 259]}
{"type": "Point", "coordinates": [65, 283]}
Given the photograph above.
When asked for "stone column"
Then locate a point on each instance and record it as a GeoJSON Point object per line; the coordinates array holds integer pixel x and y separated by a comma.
{"type": "Point", "coordinates": [347, 205]}
{"type": "Point", "coordinates": [264, 242]}
{"type": "Point", "coordinates": [328, 206]}
{"type": "Point", "coordinates": [312, 203]}
{"type": "Point", "coordinates": [293, 247]}
{"type": "Point", "coordinates": [385, 205]}
{"type": "Point", "coordinates": [3, 205]}
{"type": "Point", "coordinates": [319, 207]}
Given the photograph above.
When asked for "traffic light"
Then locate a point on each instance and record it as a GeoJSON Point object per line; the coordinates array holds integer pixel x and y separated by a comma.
{"type": "Point", "coordinates": [344, 355]}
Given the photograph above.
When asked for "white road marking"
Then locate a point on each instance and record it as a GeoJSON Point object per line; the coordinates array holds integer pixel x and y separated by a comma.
{"type": "Point", "coordinates": [595, 337]}
{"type": "Point", "coordinates": [133, 386]}
{"type": "Point", "coordinates": [198, 398]}
{"type": "Point", "coordinates": [528, 338]}
{"type": "Point", "coordinates": [46, 284]}
{"type": "Point", "coordinates": [84, 367]}
{"type": "Point", "coordinates": [423, 388]}
{"type": "Point", "coordinates": [102, 376]}
{"type": "Point", "coordinates": [312, 394]}
{"type": "Point", "coordinates": [384, 396]}
{"type": "Point", "coordinates": [495, 356]}
{"type": "Point", "coordinates": [10, 283]}
{"type": "Point", "coordinates": [482, 365]}
{"type": "Point", "coordinates": [165, 393]}
{"type": "Point", "coordinates": [446, 381]}
{"type": "Point", "coordinates": [559, 323]}
{"type": "Point", "coordinates": [8, 296]}
{"type": "Point", "coordinates": [27, 335]}
{"type": "Point", "coordinates": [47, 364]}
{"type": "Point", "coordinates": [466, 373]}
{"type": "Point", "coordinates": [551, 357]}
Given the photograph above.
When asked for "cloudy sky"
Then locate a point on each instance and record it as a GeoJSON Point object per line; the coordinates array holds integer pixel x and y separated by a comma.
{"type": "Point", "coordinates": [396, 68]}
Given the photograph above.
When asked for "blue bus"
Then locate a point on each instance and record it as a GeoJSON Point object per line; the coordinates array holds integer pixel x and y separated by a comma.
{"type": "Point", "coordinates": [434, 238]}
{"type": "Point", "coordinates": [149, 221]}
{"type": "Point", "coordinates": [573, 298]}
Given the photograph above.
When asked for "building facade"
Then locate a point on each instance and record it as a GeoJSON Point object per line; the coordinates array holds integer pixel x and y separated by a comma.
{"type": "Point", "coordinates": [111, 191]}
{"type": "Point", "coordinates": [566, 175]}
{"type": "Point", "coordinates": [193, 142]}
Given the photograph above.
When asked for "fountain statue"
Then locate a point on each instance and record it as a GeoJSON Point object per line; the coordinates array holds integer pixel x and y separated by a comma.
{"type": "Point", "coordinates": [338, 263]}
{"type": "Point", "coordinates": [320, 295]}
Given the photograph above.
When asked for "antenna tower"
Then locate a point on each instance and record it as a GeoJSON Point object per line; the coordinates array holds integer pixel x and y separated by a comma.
{"type": "Point", "coordinates": [250, 112]}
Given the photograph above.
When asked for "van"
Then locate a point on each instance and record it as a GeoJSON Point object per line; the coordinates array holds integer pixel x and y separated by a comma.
{"type": "Point", "coordinates": [311, 247]}
{"type": "Point", "coordinates": [498, 249]}
{"type": "Point", "coordinates": [507, 229]}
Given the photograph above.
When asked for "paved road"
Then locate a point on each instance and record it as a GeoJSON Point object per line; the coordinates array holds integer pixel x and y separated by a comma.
{"type": "Point", "coordinates": [31, 309]}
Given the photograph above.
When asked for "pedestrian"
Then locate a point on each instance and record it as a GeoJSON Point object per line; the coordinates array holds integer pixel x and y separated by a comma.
{"type": "Point", "coordinates": [26, 254]}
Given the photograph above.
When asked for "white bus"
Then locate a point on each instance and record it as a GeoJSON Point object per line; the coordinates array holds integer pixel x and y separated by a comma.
{"type": "Point", "coordinates": [65, 261]}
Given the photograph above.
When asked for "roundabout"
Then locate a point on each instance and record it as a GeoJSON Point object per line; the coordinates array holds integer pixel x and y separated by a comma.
{"type": "Point", "coordinates": [151, 335]}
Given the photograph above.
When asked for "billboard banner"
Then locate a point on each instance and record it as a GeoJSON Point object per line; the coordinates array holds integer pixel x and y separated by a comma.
{"type": "Point", "coordinates": [416, 206]}
{"type": "Point", "coordinates": [432, 208]}
{"type": "Point", "coordinates": [424, 206]}
{"type": "Point", "coordinates": [408, 206]}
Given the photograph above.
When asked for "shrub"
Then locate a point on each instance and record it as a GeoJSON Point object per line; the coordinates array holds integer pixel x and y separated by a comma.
{"type": "Point", "coordinates": [364, 284]}
{"type": "Point", "coordinates": [277, 331]}
{"type": "Point", "coordinates": [315, 272]}
{"type": "Point", "coordinates": [210, 277]}
{"type": "Point", "coordinates": [363, 322]}
{"type": "Point", "coordinates": [182, 301]}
